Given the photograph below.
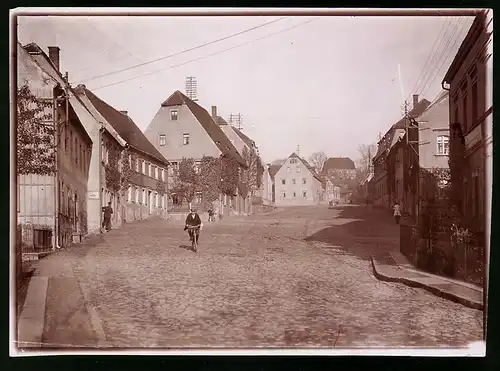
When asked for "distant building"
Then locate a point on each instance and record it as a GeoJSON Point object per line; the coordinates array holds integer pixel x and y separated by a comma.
{"type": "Point", "coordinates": [240, 141]}
{"type": "Point", "coordinates": [183, 129]}
{"type": "Point", "coordinates": [143, 196]}
{"type": "Point", "coordinates": [380, 177]}
{"type": "Point", "coordinates": [296, 184]}
{"type": "Point", "coordinates": [339, 168]}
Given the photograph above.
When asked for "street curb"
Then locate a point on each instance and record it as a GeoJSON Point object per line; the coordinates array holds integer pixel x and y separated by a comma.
{"type": "Point", "coordinates": [32, 319]}
{"type": "Point", "coordinates": [433, 290]}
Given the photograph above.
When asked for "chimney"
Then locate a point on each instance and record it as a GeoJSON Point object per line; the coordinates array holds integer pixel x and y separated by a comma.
{"type": "Point", "coordinates": [54, 56]}
{"type": "Point", "coordinates": [124, 113]}
{"type": "Point", "coordinates": [415, 100]}
{"type": "Point", "coordinates": [214, 111]}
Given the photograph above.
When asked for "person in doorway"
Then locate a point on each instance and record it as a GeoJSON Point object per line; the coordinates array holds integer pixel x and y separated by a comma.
{"type": "Point", "coordinates": [397, 212]}
{"type": "Point", "coordinates": [106, 222]}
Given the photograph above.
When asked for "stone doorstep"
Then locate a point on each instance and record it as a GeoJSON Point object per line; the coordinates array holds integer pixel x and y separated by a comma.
{"type": "Point", "coordinates": [32, 256]}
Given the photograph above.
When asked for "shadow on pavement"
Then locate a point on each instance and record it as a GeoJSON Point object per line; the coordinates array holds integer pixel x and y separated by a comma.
{"type": "Point", "coordinates": [360, 231]}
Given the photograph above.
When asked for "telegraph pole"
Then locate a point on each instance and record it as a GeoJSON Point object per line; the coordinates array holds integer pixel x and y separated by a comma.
{"type": "Point", "coordinates": [237, 119]}
{"type": "Point", "coordinates": [192, 88]}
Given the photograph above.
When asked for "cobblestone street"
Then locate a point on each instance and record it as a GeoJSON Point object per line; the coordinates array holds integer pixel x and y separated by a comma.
{"type": "Point", "coordinates": [296, 277]}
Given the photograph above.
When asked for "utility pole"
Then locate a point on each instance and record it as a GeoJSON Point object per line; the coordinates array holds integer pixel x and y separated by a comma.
{"type": "Point", "coordinates": [192, 88]}
{"type": "Point", "coordinates": [237, 119]}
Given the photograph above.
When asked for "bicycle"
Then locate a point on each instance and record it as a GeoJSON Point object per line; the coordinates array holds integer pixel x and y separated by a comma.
{"type": "Point", "coordinates": [194, 236]}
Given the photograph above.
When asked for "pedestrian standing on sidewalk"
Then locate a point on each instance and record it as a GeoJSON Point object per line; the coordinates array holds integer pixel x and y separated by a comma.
{"type": "Point", "coordinates": [397, 212]}
{"type": "Point", "coordinates": [108, 211]}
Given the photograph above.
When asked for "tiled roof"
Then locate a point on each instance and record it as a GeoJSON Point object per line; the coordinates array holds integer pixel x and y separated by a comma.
{"type": "Point", "coordinates": [124, 125]}
{"type": "Point", "coordinates": [208, 124]}
{"type": "Point", "coordinates": [273, 169]}
{"type": "Point", "coordinates": [338, 163]}
{"type": "Point", "coordinates": [220, 121]}
{"type": "Point", "coordinates": [40, 58]}
{"type": "Point", "coordinates": [387, 140]}
{"type": "Point", "coordinates": [249, 142]}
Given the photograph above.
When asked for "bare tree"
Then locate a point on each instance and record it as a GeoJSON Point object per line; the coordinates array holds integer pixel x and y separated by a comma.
{"type": "Point", "coordinates": [366, 154]}
{"type": "Point", "coordinates": [317, 159]}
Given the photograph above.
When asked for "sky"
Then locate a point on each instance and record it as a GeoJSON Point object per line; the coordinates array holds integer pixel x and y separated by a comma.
{"type": "Point", "coordinates": [321, 83]}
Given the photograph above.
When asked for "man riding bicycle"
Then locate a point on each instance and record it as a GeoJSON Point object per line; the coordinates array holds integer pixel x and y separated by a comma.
{"type": "Point", "coordinates": [193, 223]}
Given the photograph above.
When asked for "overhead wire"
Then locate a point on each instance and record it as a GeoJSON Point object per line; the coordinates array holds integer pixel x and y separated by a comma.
{"type": "Point", "coordinates": [431, 53]}
{"type": "Point", "coordinates": [445, 57]}
{"type": "Point", "coordinates": [111, 41]}
{"type": "Point", "coordinates": [184, 51]}
{"type": "Point", "coordinates": [205, 56]}
{"type": "Point", "coordinates": [434, 57]}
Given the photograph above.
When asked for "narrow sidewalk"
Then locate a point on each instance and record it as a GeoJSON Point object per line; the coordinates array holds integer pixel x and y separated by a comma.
{"type": "Point", "coordinates": [394, 267]}
{"type": "Point", "coordinates": [57, 308]}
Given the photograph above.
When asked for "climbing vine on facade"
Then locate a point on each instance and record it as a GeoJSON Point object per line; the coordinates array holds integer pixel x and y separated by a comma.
{"type": "Point", "coordinates": [112, 171]}
{"type": "Point", "coordinates": [126, 169]}
{"type": "Point", "coordinates": [230, 175]}
{"type": "Point", "coordinates": [36, 139]}
{"type": "Point", "coordinates": [209, 178]}
{"type": "Point", "coordinates": [188, 178]}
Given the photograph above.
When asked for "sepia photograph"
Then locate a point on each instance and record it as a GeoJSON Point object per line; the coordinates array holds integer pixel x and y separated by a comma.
{"type": "Point", "coordinates": [250, 181]}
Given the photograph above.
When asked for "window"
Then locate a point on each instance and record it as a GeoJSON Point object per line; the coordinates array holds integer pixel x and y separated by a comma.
{"type": "Point", "coordinates": [185, 139]}
{"type": "Point", "coordinates": [443, 145]}
{"type": "Point", "coordinates": [144, 197]}
{"type": "Point", "coordinates": [162, 176]}
{"type": "Point", "coordinates": [70, 139]}
{"type": "Point", "coordinates": [294, 194]}
{"type": "Point", "coordinates": [163, 139]}
{"type": "Point", "coordinates": [129, 194]}
{"type": "Point", "coordinates": [137, 165]}
{"type": "Point", "coordinates": [304, 180]}
{"type": "Point", "coordinates": [174, 115]}
{"type": "Point", "coordinates": [136, 198]}
{"type": "Point", "coordinates": [143, 167]}
{"type": "Point", "coordinates": [197, 166]}
{"type": "Point", "coordinates": [304, 193]}
{"type": "Point", "coordinates": [76, 151]}
{"type": "Point", "coordinates": [465, 119]}
{"type": "Point", "coordinates": [293, 180]}
{"type": "Point", "coordinates": [283, 181]}
{"type": "Point", "coordinates": [293, 160]}
{"type": "Point", "coordinates": [474, 102]}
{"type": "Point", "coordinates": [288, 170]}
{"type": "Point", "coordinates": [298, 169]}
{"type": "Point", "coordinates": [283, 194]}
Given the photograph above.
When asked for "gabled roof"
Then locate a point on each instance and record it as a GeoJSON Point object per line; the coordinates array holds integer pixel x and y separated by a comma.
{"type": "Point", "coordinates": [42, 60]}
{"type": "Point", "coordinates": [308, 166]}
{"type": "Point", "coordinates": [220, 121]}
{"type": "Point", "coordinates": [125, 126]}
{"type": "Point", "coordinates": [338, 163]}
{"type": "Point", "coordinates": [207, 122]}
{"type": "Point", "coordinates": [273, 169]}
{"type": "Point", "coordinates": [249, 142]}
{"type": "Point", "coordinates": [387, 140]}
